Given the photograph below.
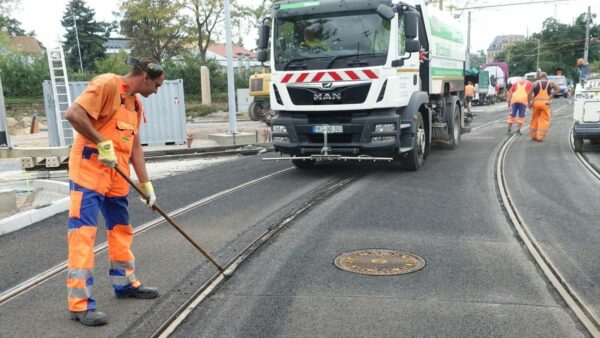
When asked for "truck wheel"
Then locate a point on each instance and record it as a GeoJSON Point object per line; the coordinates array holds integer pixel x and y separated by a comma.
{"type": "Point", "coordinates": [303, 164]}
{"type": "Point", "coordinates": [255, 110]}
{"type": "Point", "coordinates": [454, 128]}
{"type": "Point", "coordinates": [413, 160]}
{"type": "Point", "coordinates": [578, 143]}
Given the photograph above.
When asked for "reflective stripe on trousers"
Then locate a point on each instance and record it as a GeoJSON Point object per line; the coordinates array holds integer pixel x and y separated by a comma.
{"type": "Point", "coordinates": [83, 223]}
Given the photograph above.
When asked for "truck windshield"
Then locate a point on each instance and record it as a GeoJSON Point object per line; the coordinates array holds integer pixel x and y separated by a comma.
{"type": "Point", "coordinates": [331, 40]}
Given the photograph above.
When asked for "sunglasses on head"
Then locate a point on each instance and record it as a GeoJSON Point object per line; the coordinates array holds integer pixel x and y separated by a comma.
{"type": "Point", "coordinates": [153, 69]}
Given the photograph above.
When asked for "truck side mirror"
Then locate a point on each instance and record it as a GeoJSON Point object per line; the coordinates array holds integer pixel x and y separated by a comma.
{"type": "Point", "coordinates": [386, 12]}
{"type": "Point", "coordinates": [411, 20]}
{"type": "Point", "coordinates": [262, 56]}
{"type": "Point", "coordinates": [263, 37]}
{"type": "Point", "coordinates": [412, 46]}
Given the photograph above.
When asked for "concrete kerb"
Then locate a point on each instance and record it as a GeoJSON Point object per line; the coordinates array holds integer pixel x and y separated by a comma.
{"type": "Point", "coordinates": [26, 218]}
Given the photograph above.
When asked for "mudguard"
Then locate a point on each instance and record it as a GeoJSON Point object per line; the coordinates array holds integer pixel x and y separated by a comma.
{"type": "Point", "coordinates": [416, 101]}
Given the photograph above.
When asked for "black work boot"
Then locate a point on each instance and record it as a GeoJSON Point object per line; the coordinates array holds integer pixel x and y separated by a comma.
{"type": "Point", "coordinates": [518, 132]}
{"type": "Point", "coordinates": [90, 317]}
{"type": "Point", "coordinates": [141, 292]}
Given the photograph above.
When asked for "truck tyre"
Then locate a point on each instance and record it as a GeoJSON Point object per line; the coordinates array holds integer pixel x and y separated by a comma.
{"type": "Point", "coordinates": [303, 164]}
{"type": "Point", "coordinates": [413, 160]}
{"type": "Point", "coordinates": [578, 143]}
{"type": "Point", "coordinates": [454, 127]}
{"type": "Point", "coordinates": [255, 110]}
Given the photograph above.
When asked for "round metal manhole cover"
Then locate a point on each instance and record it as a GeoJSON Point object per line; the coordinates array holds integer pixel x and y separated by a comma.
{"type": "Point", "coordinates": [379, 262]}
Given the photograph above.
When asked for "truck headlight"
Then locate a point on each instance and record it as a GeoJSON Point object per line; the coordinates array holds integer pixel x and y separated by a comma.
{"type": "Point", "coordinates": [385, 127]}
{"type": "Point", "coordinates": [281, 139]}
{"type": "Point", "coordinates": [381, 139]}
{"type": "Point", "coordinates": [279, 128]}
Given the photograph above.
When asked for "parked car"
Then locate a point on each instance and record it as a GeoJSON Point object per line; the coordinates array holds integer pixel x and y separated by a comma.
{"type": "Point", "coordinates": [561, 81]}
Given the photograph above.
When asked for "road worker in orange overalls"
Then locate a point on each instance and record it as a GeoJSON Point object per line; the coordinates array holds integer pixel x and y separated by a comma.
{"type": "Point", "coordinates": [107, 119]}
{"type": "Point", "coordinates": [518, 99]}
{"type": "Point", "coordinates": [540, 97]}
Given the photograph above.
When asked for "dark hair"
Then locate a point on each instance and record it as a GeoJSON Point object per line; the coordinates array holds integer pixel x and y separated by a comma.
{"type": "Point", "coordinates": [146, 65]}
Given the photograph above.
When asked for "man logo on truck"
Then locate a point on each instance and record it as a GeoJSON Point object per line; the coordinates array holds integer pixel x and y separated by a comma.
{"type": "Point", "coordinates": [322, 97]}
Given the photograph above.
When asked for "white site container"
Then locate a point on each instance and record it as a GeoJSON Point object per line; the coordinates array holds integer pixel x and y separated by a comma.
{"type": "Point", "coordinates": [165, 113]}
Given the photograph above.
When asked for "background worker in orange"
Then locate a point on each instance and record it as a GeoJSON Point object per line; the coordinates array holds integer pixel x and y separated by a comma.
{"type": "Point", "coordinates": [469, 94]}
{"type": "Point", "coordinates": [518, 99]}
{"type": "Point", "coordinates": [107, 118]}
{"type": "Point", "coordinates": [543, 92]}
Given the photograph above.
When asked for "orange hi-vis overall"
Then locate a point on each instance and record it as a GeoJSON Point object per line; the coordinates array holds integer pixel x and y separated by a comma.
{"type": "Point", "coordinates": [96, 188]}
{"type": "Point", "coordinates": [519, 96]}
{"type": "Point", "coordinates": [540, 119]}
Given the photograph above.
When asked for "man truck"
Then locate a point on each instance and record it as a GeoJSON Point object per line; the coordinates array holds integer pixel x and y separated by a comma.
{"type": "Point", "coordinates": [363, 80]}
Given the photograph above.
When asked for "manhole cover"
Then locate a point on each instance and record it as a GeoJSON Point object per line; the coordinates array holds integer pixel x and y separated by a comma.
{"type": "Point", "coordinates": [379, 262]}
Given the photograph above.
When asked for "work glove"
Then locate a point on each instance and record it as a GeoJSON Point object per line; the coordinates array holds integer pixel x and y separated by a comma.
{"type": "Point", "coordinates": [147, 188]}
{"type": "Point", "coordinates": [106, 153]}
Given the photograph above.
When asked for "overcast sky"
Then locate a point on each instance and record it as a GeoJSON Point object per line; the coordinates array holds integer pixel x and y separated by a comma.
{"type": "Point", "coordinates": [44, 17]}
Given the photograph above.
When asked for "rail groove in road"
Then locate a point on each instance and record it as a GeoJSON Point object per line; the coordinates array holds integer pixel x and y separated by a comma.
{"type": "Point", "coordinates": [595, 171]}
{"type": "Point", "coordinates": [33, 282]}
{"type": "Point", "coordinates": [173, 322]}
{"type": "Point", "coordinates": [573, 301]}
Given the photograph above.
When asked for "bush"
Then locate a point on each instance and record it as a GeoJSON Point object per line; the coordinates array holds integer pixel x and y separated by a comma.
{"type": "Point", "coordinates": [200, 110]}
{"type": "Point", "coordinates": [22, 75]}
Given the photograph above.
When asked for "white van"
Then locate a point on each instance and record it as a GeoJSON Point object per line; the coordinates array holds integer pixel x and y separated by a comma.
{"type": "Point", "coordinates": [586, 113]}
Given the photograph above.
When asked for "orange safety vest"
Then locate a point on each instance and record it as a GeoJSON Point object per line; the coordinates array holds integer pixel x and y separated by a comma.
{"type": "Point", "coordinates": [520, 94]}
{"type": "Point", "coordinates": [84, 167]}
{"type": "Point", "coordinates": [543, 94]}
{"type": "Point", "coordinates": [469, 90]}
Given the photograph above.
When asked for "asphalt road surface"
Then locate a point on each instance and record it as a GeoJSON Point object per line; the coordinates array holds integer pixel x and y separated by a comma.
{"type": "Point", "coordinates": [478, 279]}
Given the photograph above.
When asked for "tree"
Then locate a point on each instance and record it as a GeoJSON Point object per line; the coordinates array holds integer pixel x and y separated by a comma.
{"type": "Point", "coordinates": [251, 17]}
{"type": "Point", "coordinates": [156, 27]}
{"type": "Point", "coordinates": [11, 26]}
{"type": "Point", "coordinates": [92, 35]}
{"type": "Point", "coordinates": [206, 14]}
{"type": "Point", "coordinates": [477, 59]}
{"type": "Point", "coordinates": [560, 45]}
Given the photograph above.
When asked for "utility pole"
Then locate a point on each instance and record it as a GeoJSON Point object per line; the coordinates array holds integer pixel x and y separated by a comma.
{"type": "Point", "coordinates": [587, 37]}
{"type": "Point", "coordinates": [230, 78]}
{"type": "Point", "coordinates": [78, 47]}
{"type": "Point", "coordinates": [468, 61]}
{"type": "Point", "coordinates": [441, 5]}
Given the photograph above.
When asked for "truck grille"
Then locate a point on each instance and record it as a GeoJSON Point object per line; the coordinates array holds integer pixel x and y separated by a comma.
{"type": "Point", "coordinates": [354, 94]}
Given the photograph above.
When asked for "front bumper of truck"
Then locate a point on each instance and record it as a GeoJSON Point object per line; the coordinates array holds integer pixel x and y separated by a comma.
{"type": "Point", "coordinates": [586, 130]}
{"type": "Point", "coordinates": [294, 133]}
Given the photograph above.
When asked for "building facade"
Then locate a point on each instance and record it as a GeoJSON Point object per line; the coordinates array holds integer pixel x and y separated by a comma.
{"type": "Point", "coordinates": [501, 43]}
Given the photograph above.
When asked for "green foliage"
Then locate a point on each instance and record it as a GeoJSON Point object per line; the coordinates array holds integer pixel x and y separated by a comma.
{"type": "Point", "coordinates": [10, 26]}
{"type": "Point", "coordinates": [115, 63]}
{"type": "Point", "coordinates": [560, 47]}
{"type": "Point", "coordinates": [91, 34]}
{"type": "Point", "coordinates": [22, 75]}
{"type": "Point", "coordinates": [156, 27]}
{"type": "Point", "coordinates": [200, 110]}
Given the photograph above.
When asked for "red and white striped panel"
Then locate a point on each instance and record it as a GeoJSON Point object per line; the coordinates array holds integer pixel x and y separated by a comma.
{"type": "Point", "coordinates": [328, 76]}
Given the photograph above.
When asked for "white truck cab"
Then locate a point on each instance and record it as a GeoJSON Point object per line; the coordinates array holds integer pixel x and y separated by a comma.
{"type": "Point", "coordinates": [586, 114]}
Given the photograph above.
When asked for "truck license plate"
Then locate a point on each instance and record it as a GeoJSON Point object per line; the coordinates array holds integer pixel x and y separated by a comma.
{"type": "Point", "coordinates": [325, 128]}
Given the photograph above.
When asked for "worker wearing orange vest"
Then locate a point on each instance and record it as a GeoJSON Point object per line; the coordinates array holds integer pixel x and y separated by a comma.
{"type": "Point", "coordinates": [107, 118]}
{"type": "Point", "coordinates": [469, 94]}
{"type": "Point", "coordinates": [542, 94]}
{"type": "Point", "coordinates": [518, 99]}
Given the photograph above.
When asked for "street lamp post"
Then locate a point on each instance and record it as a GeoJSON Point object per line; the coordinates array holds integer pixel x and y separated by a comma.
{"type": "Point", "coordinates": [78, 47]}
